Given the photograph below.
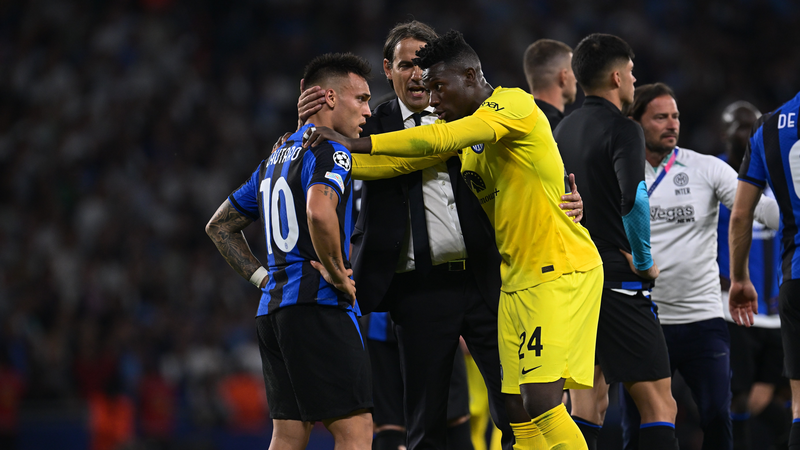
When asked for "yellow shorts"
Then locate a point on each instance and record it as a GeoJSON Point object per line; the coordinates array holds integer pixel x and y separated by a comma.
{"type": "Point", "coordinates": [548, 332]}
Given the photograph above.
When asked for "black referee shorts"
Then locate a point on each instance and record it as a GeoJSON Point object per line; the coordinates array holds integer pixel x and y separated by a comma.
{"type": "Point", "coordinates": [315, 363]}
{"type": "Point", "coordinates": [789, 309]}
{"type": "Point", "coordinates": [756, 356]}
{"type": "Point", "coordinates": [630, 342]}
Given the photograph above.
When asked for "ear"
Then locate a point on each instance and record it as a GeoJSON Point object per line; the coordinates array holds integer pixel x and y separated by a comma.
{"type": "Point", "coordinates": [330, 98]}
{"type": "Point", "coordinates": [470, 75]}
{"type": "Point", "coordinates": [387, 68]}
{"type": "Point", "coordinates": [562, 78]}
{"type": "Point", "coordinates": [616, 79]}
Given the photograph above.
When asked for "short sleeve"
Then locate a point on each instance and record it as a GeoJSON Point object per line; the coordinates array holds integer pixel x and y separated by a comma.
{"type": "Point", "coordinates": [753, 170]}
{"type": "Point", "coordinates": [245, 198]}
{"type": "Point", "coordinates": [509, 112]}
{"type": "Point", "coordinates": [329, 164]}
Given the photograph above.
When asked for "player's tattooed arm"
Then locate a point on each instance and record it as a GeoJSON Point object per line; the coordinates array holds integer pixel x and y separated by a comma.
{"type": "Point", "coordinates": [225, 229]}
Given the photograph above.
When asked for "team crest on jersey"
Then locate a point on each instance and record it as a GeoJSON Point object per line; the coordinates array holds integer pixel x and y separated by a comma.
{"type": "Point", "coordinates": [336, 178]}
{"type": "Point", "coordinates": [342, 160]}
{"type": "Point", "coordinates": [477, 148]}
{"type": "Point", "coordinates": [473, 180]}
{"type": "Point", "coordinates": [680, 179]}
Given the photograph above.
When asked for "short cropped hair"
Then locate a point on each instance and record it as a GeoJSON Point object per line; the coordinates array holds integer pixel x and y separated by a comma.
{"type": "Point", "coordinates": [450, 48]}
{"type": "Point", "coordinates": [539, 62]}
{"type": "Point", "coordinates": [330, 65]}
{"type": "Point", "coordinates": [595, 55]}
{"type": "Point", "coordinates": [407, 30]}
{"type": "Point", "coordinates": [642, 97]}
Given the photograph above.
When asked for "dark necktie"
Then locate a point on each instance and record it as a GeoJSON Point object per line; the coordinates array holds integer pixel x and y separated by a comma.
{"type": "Point", "coordinates": [419, 227]}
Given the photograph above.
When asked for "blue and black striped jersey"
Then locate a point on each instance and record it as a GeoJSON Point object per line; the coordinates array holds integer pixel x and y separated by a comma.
{"type": "Point", "coordinates": [773, 157]}
{"type": "Point", "coordinates": [276, 194]}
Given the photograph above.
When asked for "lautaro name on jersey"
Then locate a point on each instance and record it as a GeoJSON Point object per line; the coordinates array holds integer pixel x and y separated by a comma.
{"type": "Point", "coordinates": [276, 194]}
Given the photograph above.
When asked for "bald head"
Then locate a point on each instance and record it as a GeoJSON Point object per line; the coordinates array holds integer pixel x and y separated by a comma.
{"type": "Point", "coordinates": [738, 120]}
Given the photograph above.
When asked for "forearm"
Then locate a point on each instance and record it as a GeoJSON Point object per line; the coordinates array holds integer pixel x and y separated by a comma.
{"type": "Point", "coordinates": [323, 226]}
{"type": "Point", "coordinates": [225, 230]}
{"type": "Point", "coordinates": [741, 228]}
{"type": "Point", "coordinates": [433, 139]}
{"type": "Point", "coordinates": [376, 167]}
{"type": "Point", "coordinates": [637, 228]}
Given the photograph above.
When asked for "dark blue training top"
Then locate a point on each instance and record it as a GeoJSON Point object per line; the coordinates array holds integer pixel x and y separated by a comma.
{"type": "Point", "coordinates": [276, 194]}
{"type": "Point", "coordinates": [773, 157]}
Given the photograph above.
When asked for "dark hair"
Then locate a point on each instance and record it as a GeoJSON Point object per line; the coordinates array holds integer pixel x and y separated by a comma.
{"type": "Point", "coordinates": [539, 59]}
{"type": "Point", "coordinates": [407, 30]}
{"type": "Point", "coordinates": [324, 67]}
{"type": "Point", "coordinates": [595, 55]}
{"type": "Point", "coordinates": [642, 97]}
{"type": "Point", "coordinates": [448, 48]}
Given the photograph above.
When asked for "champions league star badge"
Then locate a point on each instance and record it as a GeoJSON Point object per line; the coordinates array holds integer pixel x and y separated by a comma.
{"type": "Point", "coordinates": [342, 160]}
{"type": "Point", "coordinates": [477, 148]}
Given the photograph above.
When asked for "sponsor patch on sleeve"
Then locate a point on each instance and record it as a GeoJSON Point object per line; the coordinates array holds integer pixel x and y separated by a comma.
{"type": "Point", "coordinates": [336, 178]}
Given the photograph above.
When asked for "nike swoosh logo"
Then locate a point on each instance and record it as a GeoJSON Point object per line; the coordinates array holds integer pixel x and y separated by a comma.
{"type": "Point", "coordinates": [529, 370]}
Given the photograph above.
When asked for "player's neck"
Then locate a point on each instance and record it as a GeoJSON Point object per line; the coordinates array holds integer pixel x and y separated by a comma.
{"type": "Point", "coordinates": [322, 119]}
{"type": "Point", "coordinates": [612, 95]}
{"type": "Point", "coordinates": [552, 97]}
{"type": "Point", "coordinates": [654, 158]}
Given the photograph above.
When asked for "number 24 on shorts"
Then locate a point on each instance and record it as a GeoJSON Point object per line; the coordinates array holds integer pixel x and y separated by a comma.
{"type": "Point", "coordinates": [534, 344]}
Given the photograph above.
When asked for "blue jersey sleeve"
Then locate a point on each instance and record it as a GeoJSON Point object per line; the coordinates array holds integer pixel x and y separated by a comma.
{"type": "Point", "coordinates": [753, 169]}
{"type": "Point", "coordinates": [329, 164]}
{"type": "Point", "coordinates": [245, 198]}
{"type": "Point", "coordinates": [637, 228]}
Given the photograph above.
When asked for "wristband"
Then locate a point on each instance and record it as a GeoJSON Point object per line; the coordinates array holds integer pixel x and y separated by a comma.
{"type": "Point", "coordinates": [258, 276]}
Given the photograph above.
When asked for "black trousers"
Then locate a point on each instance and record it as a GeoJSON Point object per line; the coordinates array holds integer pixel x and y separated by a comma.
{"type": "Point", "coordinates": [430, 315]}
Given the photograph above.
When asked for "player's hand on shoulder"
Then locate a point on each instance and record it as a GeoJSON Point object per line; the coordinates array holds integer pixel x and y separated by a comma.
{"type": "Point", "coordinates": [346, 284]}
{"type": "Point", "coordinates": [649, 274]}
{"type": "Point", "coordinates": [743, 302]}
{"type": "Point", "coordinates": [317, 135]}
{"type": "Point", "coordinates": [574, 202]}
{"type": "Point", "coordinates": [281, 140]}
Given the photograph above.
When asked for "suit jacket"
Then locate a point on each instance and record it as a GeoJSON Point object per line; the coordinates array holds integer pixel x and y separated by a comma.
{"type": "Point", "coordinates": [381, 225]}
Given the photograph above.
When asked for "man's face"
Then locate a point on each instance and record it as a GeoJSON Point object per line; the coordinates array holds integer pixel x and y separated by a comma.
{"type": "Point", "coordinates": [352, 106]}
{"type": "Point", "coordinates": [406, 77]}
{"type": "Point", "coordinates": [448, 90]}
{"type": "Point", "coordinates": [661, 124]}
{"type": "Point", "coordinates": [571, 89]}
{"type": "Point", "coordinates": [626, 83]}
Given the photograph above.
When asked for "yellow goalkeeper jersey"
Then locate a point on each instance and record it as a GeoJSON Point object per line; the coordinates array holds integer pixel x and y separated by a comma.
{"type": "Point", "coordinates": [512, 164]}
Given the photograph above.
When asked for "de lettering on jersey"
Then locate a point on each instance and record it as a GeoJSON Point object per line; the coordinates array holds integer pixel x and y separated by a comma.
{"type": "Point", "coordinates": [787, 120]}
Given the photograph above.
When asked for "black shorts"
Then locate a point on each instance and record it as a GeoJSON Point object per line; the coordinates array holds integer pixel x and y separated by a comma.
{"type": "Point", "coordinates": [756, 356]}
{"type": "Point", "coordinates": [315, 363]}
{"type": "Point", "coordinates": [789, 308]}
{"type": "Point", "coordinates": [388, 382]}
{"type": "Point", "coordinates": [630, 341]}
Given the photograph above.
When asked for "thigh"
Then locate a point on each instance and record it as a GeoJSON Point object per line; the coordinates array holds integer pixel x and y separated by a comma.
{"type": "Point", "coordinates": [326, 359]}
{"type": "Point", "coordinates": [630, 341]}
{"type": "Point", "coordinates": [280, 393]}
{"type": "Point", "coordinates": [769, 361]}
{"type": "Point", "coordinates": [743, 357]}
{"type": "Point", "coordinates": [789, 305]}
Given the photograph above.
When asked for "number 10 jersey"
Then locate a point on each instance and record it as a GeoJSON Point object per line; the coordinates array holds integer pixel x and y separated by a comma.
{"type": "Point", "coordinates": [276, 194]}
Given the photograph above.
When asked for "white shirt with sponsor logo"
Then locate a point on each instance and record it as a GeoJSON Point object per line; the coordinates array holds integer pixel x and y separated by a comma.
{"type": "Point", "coordinates": [684, 210]}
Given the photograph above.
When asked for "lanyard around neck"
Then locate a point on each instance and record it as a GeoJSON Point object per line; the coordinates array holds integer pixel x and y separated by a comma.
{"type": "Point", "coordinates": [663, 173]}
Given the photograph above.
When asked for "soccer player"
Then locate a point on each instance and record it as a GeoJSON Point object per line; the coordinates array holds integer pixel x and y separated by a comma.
{"type": "Point", "coordinates": [551, 271]}
{"type": "Point", "coordinates": [756, 352]}
{"type": "Point", "coordinates": [685, 190]}
{"type": "Point", "coordinates": [771, 158]}
{"type": "Point", "coordinates": [316, 367]}
{"type": "Point", "coordinates": [548, 69]}
{"type": "Point", "coordinates": [605, 148]}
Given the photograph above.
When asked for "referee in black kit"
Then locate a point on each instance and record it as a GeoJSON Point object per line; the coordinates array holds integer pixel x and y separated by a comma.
{"type": "Point", "coordinates": [605, 150]}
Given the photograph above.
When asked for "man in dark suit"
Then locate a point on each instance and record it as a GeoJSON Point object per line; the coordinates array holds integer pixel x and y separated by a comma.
{"type": "Point", "coordinates": [548, 69]}
{"type": "Point", "coordinates": [424, 250]}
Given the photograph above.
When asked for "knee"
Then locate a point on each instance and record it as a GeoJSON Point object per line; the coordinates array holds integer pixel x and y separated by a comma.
{"type": "Point", "coordinates": [515, 409]}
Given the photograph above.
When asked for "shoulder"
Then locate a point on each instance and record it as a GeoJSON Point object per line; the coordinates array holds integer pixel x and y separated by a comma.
{"type": "Point", "coordinates": [513, 103]}
{"type": "Point", "coordinates": [627, 129]}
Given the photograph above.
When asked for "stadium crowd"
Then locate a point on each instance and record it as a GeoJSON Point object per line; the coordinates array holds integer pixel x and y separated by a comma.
{"type": "Point", "coordinates": [123, 124]}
